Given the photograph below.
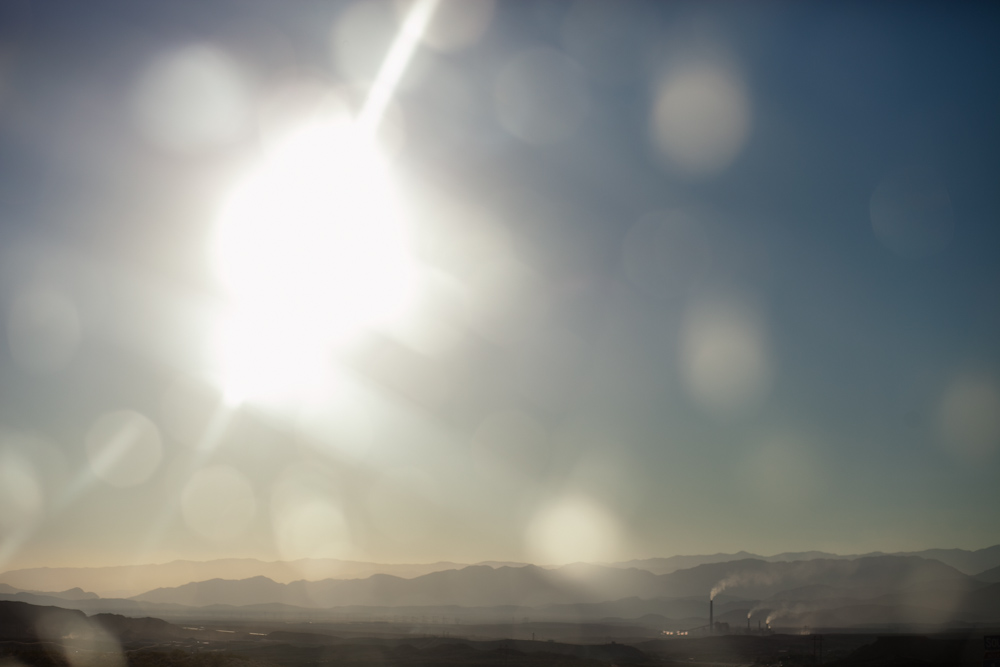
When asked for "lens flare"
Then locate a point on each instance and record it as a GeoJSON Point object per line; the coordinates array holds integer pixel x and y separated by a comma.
{"type": "Point", "coordinates": [312, 248]}
{"type": "Point", "coordinates": [572, 530]}
{"type": "Point", "coordinates": [701, 119]}
{"type": "Point", "coordinates": [192, 99]}
{"type": "Point", "coordinates": [124, 448]}
{"type": "Point", "coordinates": [218, 502]}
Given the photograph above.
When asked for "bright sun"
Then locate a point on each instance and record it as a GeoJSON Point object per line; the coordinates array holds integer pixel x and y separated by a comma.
{"type": "Point", "coordinates": [312, 248]}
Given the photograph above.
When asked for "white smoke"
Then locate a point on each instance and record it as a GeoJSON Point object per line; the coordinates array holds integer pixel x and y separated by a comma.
{"type": "Point", "coordinates": [744, 579]}
{"type": "Point", "coordinates": [785, 610]}
{"type": "Point", "coordinates": [775, 615]}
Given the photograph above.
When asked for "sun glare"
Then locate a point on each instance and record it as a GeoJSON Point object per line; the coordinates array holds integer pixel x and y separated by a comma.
{"type": "Point", "coordinates": [312, 249]}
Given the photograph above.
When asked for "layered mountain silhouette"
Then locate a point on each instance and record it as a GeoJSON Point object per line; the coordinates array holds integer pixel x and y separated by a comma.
{"type": "Point", "coordinates": [126, 581]}
{"type": "Point", "coordinates": [531, 586]}
{"type": "Point", "coordinates": [965, 561]}
{"type": "Point", "coordinates": [473, 586]}
{"type": "Point", "coordinates": [70, 594]}
{"type": "Point", "coordinates": [874, 590]}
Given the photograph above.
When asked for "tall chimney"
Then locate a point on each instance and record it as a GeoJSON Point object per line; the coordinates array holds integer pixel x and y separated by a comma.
{"type": "Point", "coordinates": [711, 616]}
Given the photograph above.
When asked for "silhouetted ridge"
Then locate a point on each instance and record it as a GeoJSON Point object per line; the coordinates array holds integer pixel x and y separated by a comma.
{"type": "Point", "coordinates": [532, 586]}
{"type": "Point", "coordinates": [20, 620]}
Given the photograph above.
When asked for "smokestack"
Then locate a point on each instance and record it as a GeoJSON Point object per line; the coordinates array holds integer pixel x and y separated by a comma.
{"type": "Point", "coordinates": [748, 623]}
{"type": "Point", "coordinates": [711, 616]}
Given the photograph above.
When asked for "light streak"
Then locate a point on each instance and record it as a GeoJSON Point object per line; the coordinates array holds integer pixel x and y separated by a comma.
{"type": "Point", "coordinates": [395, 64]}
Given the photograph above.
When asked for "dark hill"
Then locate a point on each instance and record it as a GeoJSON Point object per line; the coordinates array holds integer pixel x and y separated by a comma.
{"type": "Point", "coordinates": [300, 637]}
{"type": "Point", "coordinates": [23, 621]}
{"type": "Point", "coordinates": [27, 622]}
{"type": "Point", "coordinates": [139, 629]}
{"type": "Point", "coordinates": [906, 650]}
{"type": "Point", "coordinates": [220, 591]}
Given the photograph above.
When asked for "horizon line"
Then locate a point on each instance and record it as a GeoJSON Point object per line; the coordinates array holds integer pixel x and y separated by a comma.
{"type": "Point", "coordinates": [494, 560]}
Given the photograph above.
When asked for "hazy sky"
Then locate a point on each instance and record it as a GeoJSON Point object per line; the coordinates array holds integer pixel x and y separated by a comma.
{"type": "Point", "coordinates": [678, 278]}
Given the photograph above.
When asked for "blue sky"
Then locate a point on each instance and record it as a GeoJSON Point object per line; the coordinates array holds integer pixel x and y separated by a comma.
{"type": "Point", "coordinates": [710, 277]}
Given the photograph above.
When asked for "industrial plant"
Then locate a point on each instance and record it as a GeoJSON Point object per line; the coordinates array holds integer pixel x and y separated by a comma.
{"type": "Point", "coordinates": [717, 628]}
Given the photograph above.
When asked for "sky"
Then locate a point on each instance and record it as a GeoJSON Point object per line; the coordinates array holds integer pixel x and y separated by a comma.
{"type": "Point", "coordinates": [532, 281]}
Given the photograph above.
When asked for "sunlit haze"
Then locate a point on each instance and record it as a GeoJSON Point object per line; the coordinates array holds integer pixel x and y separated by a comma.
{"type": "Point", "coordinates": [312, 246]}
{"type": "Point", "coordinates": [473, 281]}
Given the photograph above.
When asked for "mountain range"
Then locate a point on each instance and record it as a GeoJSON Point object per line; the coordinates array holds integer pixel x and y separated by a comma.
{"type": "Point", "coordinates": [69, 594]}
{"type": "Point", "coordinates": [532, 586]}
{"type": "Point", "coordinates": [129, 580]}
{"type": "Point", "coordinates": [831, 592]}
{"type": "Point", "coordinates": [963, 560]}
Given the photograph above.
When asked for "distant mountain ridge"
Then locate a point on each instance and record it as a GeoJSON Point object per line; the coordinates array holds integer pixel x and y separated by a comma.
{"type": "Point", "coordinates": [127, 581]}
{"type": "Point", "coordinates": [532, 586]}
{"type": "Point", "coordinates": [963, 560]}
{"type": "Point", "coordinates": [473, 586]}
{"type": "Point", "coordinates": [70, 594]}
{"type": "Point", "coordinates": [819, 593]}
